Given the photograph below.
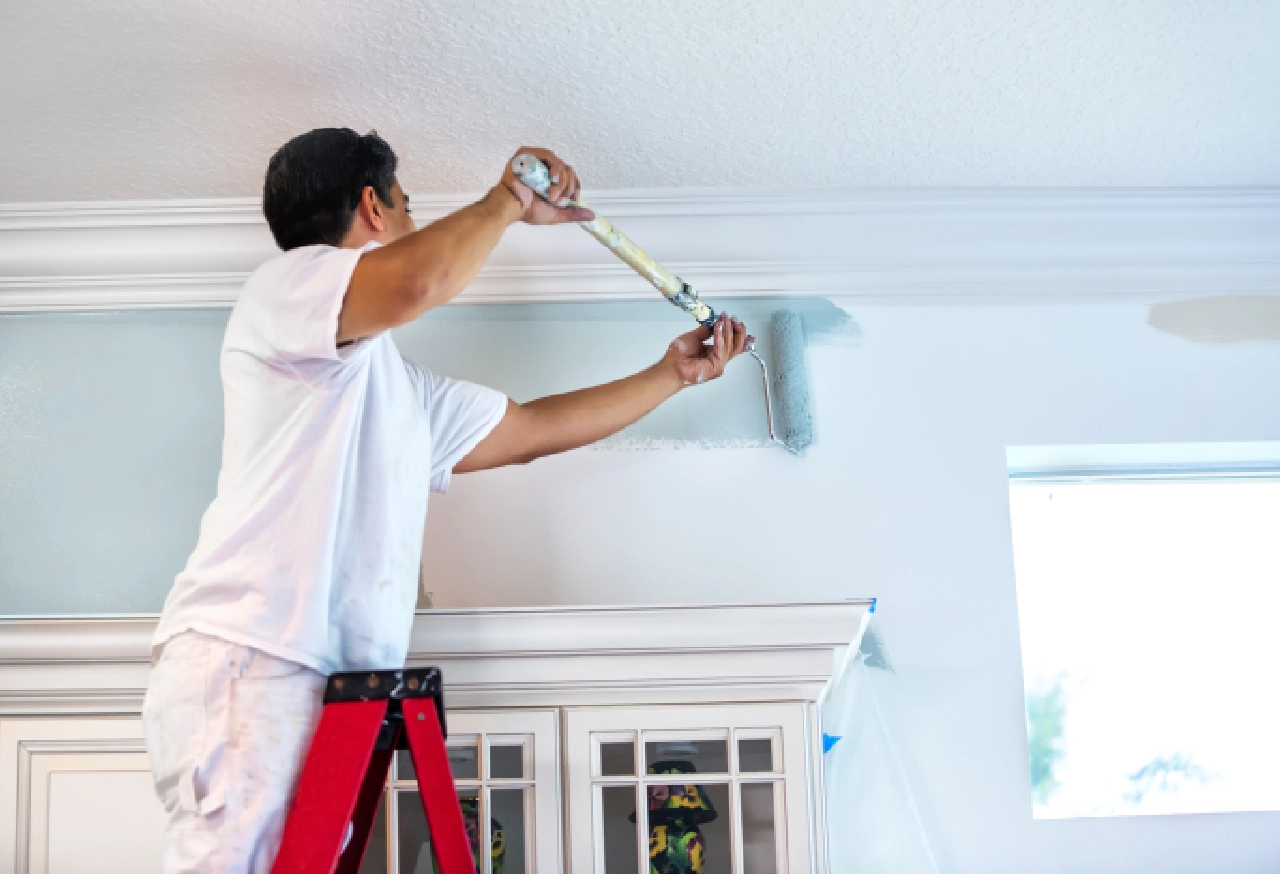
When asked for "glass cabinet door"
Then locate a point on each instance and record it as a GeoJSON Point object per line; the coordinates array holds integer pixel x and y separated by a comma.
{"type": "Point", "coordinates": [506, 769]}
{"type": "Point", "coordinates": [688, 790]}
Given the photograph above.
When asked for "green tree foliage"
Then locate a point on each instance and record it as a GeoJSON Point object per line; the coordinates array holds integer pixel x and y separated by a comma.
{"type": "Point", "coordinates": [1045, 711]}
{"type": "Point", "coordinates": [1165, 775]}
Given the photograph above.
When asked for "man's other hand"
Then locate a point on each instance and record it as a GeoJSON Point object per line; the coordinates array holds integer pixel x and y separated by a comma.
{"type": "Point", "coordinates": [696, 361]}
{"type": "Point", "coordinates": [564, 189]}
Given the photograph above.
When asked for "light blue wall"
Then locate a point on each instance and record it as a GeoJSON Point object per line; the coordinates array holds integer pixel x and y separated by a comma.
{"type": "Point", "coordinates": [111, 425]}
{"type": "Point", "coordinates": [110, 432]}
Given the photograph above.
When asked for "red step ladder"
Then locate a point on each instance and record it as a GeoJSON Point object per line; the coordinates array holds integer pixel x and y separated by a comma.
{"type": "Point", "coordinates": [367, 716]}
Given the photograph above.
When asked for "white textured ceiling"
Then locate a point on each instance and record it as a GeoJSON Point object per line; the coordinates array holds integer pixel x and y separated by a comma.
{"type": "Point", "coordinates": [188, 98]}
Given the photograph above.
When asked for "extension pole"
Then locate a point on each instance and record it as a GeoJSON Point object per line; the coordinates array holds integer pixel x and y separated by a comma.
{"type": "Point", "coordinates": [533, 173]}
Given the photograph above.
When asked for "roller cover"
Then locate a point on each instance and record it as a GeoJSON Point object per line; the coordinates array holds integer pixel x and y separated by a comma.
{"type": "Point", "coordinates": [790, 382]}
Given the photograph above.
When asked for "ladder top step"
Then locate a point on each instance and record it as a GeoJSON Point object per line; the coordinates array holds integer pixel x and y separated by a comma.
{"type": "Point", "coordinates": [384, 685]}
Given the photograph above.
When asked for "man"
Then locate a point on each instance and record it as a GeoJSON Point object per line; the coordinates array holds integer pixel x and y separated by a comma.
{"type": "Point", "coordinates": [307, 561]}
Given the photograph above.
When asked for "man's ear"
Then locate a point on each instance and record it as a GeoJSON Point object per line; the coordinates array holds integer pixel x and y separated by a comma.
{"type": "Point", "coordinates": [372, 210]}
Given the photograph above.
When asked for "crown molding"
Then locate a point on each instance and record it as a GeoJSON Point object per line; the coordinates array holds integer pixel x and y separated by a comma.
{"type": "Point", "coordinates": [489, 633]}
{"type": "Point", "coordinates": [674, 202]}
{"type": "Point", "coordinates": [527, 656]}
{"type": "Point", "coordinates": [915, 246]}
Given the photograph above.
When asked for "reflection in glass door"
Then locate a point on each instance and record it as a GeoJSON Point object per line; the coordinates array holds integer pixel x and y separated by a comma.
{"type": "Point", "coordinates": [706, 799]}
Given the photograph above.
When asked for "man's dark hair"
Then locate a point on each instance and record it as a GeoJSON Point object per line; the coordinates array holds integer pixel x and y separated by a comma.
{"type": "Point", "coordinates": [314, 183]}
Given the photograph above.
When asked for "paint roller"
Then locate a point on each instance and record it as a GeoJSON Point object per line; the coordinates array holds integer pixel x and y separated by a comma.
{"type": "Point", "coordinates": [791, 414]}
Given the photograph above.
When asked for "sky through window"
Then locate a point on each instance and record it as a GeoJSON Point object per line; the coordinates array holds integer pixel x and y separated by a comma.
{"type": "Point", "coordinates": [1149, 614]}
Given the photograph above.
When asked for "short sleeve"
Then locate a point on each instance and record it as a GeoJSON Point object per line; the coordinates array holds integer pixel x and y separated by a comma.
{"type": "Point", "coordinates": [461, 415]}
{"type": "Point", "coordinates": [295, 302]}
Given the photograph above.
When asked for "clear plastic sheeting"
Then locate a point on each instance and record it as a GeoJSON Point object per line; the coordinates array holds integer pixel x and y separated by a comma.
{"type": "Point", "coordinates": [872, 823]}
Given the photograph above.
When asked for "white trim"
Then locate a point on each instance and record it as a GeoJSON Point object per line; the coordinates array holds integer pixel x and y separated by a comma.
{"type": "Point", "coordinates": [675, 202]}
{"type": "Point", "coordinates": [1048, 459]}
{"type": "Point", "coordinates": [1136, 462]}
{"type": "Point", "coordinates": [814, 768]}
{"type": "Point", "coordinates": [669, 202]}
{"type": "Point", "coordinates": [528, 657]}
{"type": "Point", "coordinates": [630, 629]}
{"type": "Point", "coordinates": [585, 630]}
{"type": "Point", "coordinates": [949, 246]}
{"type": "Point", "coordinates": [161, 291]}
{"type": "Point", "coordinates": [75, 640]}
{"type": "Point", "coordinates": [848, 284]}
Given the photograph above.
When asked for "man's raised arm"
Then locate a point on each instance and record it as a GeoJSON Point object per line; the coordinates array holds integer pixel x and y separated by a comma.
{"type": "Point", "coordinates": [561, 422]}
{"type": "Point", "coordinates": [418, 270]}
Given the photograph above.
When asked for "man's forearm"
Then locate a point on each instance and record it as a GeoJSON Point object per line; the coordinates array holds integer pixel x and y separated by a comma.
{"type": "Point", "coordinates": [582, 417]}
{"type": "Point", "coordinates": [562, 422]}
{"type": "Point", "coordinates": [448, 253]}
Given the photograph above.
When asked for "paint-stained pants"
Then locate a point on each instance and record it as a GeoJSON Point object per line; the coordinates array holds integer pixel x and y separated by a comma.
{"type": "Point", "coordinates": [227, 728]}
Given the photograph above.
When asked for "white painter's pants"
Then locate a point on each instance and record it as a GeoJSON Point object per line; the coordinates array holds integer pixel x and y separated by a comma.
{"type": "Point", "coordinates": [227, 728]}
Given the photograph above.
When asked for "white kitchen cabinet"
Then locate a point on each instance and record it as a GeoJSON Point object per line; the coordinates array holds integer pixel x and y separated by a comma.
{"type": "Point", "coordinates": [556, 718]}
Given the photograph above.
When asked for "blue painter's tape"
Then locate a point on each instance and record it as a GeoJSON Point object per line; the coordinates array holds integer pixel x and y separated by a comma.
{"type": "Point", "coordinates": [828, 741]}
{"type": "Point", "coordinates": [873, 606]}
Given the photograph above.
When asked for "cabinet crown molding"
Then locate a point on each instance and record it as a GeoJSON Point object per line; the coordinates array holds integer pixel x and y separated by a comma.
{"type": "Point", "coordinates": [522, 656]}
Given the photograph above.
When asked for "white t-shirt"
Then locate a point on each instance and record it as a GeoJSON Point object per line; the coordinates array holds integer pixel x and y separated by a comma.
{"type": "Point", "coordinates": [311, 549]}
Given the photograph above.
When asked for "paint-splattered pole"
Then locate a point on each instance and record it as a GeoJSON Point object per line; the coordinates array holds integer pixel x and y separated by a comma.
{"type": "Point", "coordinates": [533, 173]}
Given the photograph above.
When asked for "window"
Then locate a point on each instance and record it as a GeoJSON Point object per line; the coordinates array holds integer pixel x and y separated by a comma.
{"type": "Point", "coordinates": [1148, 585]}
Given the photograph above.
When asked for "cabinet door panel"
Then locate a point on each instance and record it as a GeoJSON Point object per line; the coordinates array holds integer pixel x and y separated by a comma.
{"type": "Point", "coordinates": [100, 815]}
{"type": "Point", "coordinates": [76, 797]}
{"type": "Point", "coordinates": [709, 789]}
